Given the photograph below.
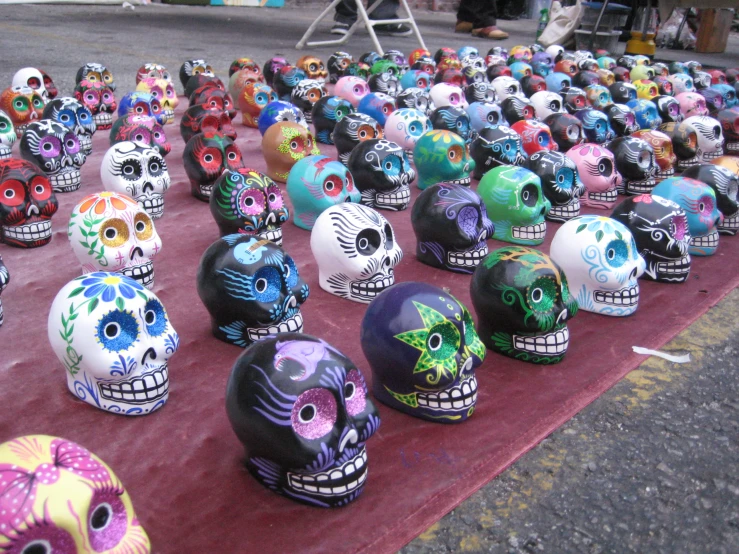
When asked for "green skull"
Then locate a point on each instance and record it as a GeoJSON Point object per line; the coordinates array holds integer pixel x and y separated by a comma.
{"type": "Point", "coordinates": [515, 204]}
{"type": "Point", "coordinates": [442, 157]}
{"type": "Point", "coordinates": [385, 66]}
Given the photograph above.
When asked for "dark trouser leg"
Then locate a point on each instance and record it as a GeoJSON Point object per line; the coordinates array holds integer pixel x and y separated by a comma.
{"type": "Point", "coordinates": [481, 13]}
{"type": "Point", "coordinates": [346, 12]}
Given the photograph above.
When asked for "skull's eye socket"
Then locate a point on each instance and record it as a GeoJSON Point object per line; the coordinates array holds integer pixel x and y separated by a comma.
{"type": "Point", "coordinates": [294, 145]}
{"type": "Point", "coordinates": [37, 547]}
{"type": "Point", "coordinates": [616, 253]}
{"type": "Point", "coordinates": [139, 138]}
{"type": "Point", "coordinates": [312, 67]}
{"type": "Point", "coordinates": [605, 167]}
{"type": "Point", "coordinates": [333, 185]}
{"type": "Point", "coordinates": [117, 331]}
{"type": "Point", "coordinates": [349, 390]}
{"type": "Point", "coordinates": [368, 241]}
{"type": "Point", "coordinates": [90, 98]}
{"type": "Point", "coordinates": [19, 104]}
{"type": "Point", "coordinates": [131, 170]}
{"type": "Point", "coordinates": [386, 109]}
{"type": "Point", "coordinates": [644, 159]}
{"type": "Point", "coordinates": [208, 158]}
{"type": "Point", "coordinates": [307, 413]}
{"type": "Point", "coordinates": [101, 517]}
{"type": "Point", "coordinates": [4, 127]}
{"type": "Point", "coordinates": [12, 193]}
{"type": "Point", "coordinates": [389, 238]}
{"type": "Point", "coordinates": [314, 413]}
{"type": "Point", "coordinates": [434, 342]}
{"type": "Point", "coordinates": [114, 232]}
{"type": "Point", "coordinates": [267, 284]}
{"type": "Point", "coordinates": [232, 156]}
{"type": "Point", "coordinates": [455, 153]}
{"type": "Point", "coordinates": [50, 146]}
{"type": "Point", "coordinates": [358, 90]}
{"type": "Point", "coordinates": [530, 195]}
{"type": "Point", "coordinates": [64, 118]}
{"type": "Point", "coordinates": [143, 226]}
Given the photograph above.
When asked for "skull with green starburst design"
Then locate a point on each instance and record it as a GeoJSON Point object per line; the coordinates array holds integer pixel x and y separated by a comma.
{"type": "Point", "coordinates": [423, 349]}
{"type": "Point", "coordinates": [523, 303]}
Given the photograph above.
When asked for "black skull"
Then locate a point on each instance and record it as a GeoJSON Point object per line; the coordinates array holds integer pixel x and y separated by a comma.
{"type": "Point", "coordinates": [382, 173]}
{"type": "Point", "coordinates": [560, 183]}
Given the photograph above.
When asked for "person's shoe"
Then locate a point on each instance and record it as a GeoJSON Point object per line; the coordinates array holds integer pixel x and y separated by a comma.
{"type": "Point", "coordinates": [340, 28]}
{"type": "Point", "coordinates": [491, 32]}
{"type": "Point", "coordinates": [463, 27]}
{"type": "Point", "coordinates": [393, 29]}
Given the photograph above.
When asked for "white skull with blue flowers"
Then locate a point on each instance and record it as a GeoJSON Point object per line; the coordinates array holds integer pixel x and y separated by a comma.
{"type": "Point", "coordinates": [114, 339]}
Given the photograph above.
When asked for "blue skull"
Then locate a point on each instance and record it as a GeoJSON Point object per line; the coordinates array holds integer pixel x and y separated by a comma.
{"type": "Point", "coordinates": [277, 111]}
{"type": "Point", "coordinates": [557, 81]}
{"type": "Point", "coordinates": [377, 105]}
{"type": "Point", "coordinates": [141, 103]}
{"type": "Point", "coordinates": [485, 113]}
{"type": "Point", "coordinates": [645, 113]}
{"type": "Point", "coordinates": [595, 125]}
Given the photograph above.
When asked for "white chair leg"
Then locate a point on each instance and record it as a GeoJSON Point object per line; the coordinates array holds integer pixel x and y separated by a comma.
{"type": "Point", "coordinates": [303, 41]}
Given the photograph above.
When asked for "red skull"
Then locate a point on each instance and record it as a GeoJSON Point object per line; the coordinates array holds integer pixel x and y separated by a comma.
{"type": "Point", "coordinates": [200, 119]}
{"type": "Point", "coordinates": [206, 156]}
{"type": "Point", "coordinates": [99, 99]}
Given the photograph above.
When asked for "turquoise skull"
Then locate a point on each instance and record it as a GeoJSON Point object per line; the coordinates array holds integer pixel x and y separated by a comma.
{"type": "Point", "coordinates": [441, 157]}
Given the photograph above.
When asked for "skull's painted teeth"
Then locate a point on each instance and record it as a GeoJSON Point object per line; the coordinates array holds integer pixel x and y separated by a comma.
{"type": "Point", "coordinates": [730, 225]}
{"type": "Point", "coordinates": [68, 181]}
{"type": "Point", "coordinates": [397, 199]}
{"type": "Point", "coordinates": [680, 266]}
{"type": "Point", "coordinates": [168, 115]}
{"type": "Point", "coordinates": [5, 151]}
{"type": "Point", "coordinates": [141, 390]}
{"type": "Point", "coordinates": [143, 274]}
{"type": "Point", "coordinates": [292, 324]}
{"type": "Point", "coordinates": [154, 205]}
{"type": "Point", "coordinates": [456, 398]}
{"type": "Point", "coordinates": [732, 146]}
{"type": "Point", "coordinates": [468, 258]}
{"type": "Point", "coordinates": [373, 287]}
{"type": "Point", "coordinates": [274, 235]}
{"type": "Point", "coordinates": [465, 181]}
{"type": "Point", "coordinates": [29, 232]}
{"type": "Point", "coordinates": [705, 241]}
{"type": "Point", "coordinates": [85, 143]}
{"type": "Point", "coordinates": [334, 482]}
{"type": "Point", "coordinates": [608, 196]}
{"type": "Point", "coordinates": [640, 187]}
{"type": "Point", "coordinates": [568, 211]}
{"type": "Point", "coordinates": [205, 190]}
{"type": "Point", "coordinates": [555, 343]}
{"type": "Point", "coordinates": [712, 155]}
{"type": "Point", "coordinates": [628, 296]}
{"type": "Point", "coordinates": [103, 120]}
{"type": "Point", "coordinates": [530, 232]}
{"type": "Point", "coordinates": [683, 164]}
{"type": "Point", "coordinates": [660, 175]}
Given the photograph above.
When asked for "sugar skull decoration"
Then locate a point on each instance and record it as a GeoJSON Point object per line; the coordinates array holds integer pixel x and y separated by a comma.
{"type": "Point", "coordinates": [423, 349]}
{"type": "Point", "coordinates": [700, 205]}
{"type": "Point", "coordinates": [153, 71]}
{"type": "Point", "coordinates": [405, 126]}
{"type": "Point", "coordinates": [195, 67]}
{"type": "Point", "coordinates": [692, 103]}
{"type": "Point", "coordinates": [96, 73]}
{"type": "Point", "coordinates": [254, 97]}
{"type": "Point", "coordinates": [315, 184]}
{"type": "Point", "coordinates": [535, 136]}
{"type": "Point", "coordinates": [252, 289]}
{"type": "Point", "coordinates": [139, 171]}
{"type": "Point", "coordinates": [668, 109]}
{"type": "Point", "coordinates": [8, 136]}
{"type": "Point", "coordinates": [4, 280]}
{"type": "Point", "coordinates": [272, 66]}
{"type": "Point", "coordinates": [451, 227]}
{"type": "Point", "coordinates": [664, 155]}
{"type": "Point", "coordinates": [710, 139]}
{"type": "Point", "coordinates": [100, 100]}
{"type": "Point", "coordinates": [283, 144]}
{"type": "Point", "coordinates": [714, 101]}
{"type": "Point", "coordinates": [415, 78]}
{"type": "Point", "coordinates": [140, 128]}
{"type": "Point", "coordinates": [725, 185]}
{"type": "Point", "coordinates": [326, 113]}
{"type": "Point", "coordinates": [382, 173]}
{"type": "Point", "coordinates": [305, 95]}
{"type": "Point", "coordinates": [496, 145]}
{"type": "Point", "coordinates": [314, 68]}
{"type": "Point", "coordinates": [515, 204]}
{"type": "Point", "coordinates": [728, 118]}
{"type": "Point", "coordinates": [23, 105]}
{"type": "Point", "coordinates": [27, 203]}
{"type": "Point", "coordinates": [595, 125]}
{"type": "Point", "coordinates": [303, 413]}
{"type": "Point", "coordinates": [142, 103]}
{"type": "Point", "coordinates": [200, 119]}
{"type": "Point", "coordinates": [566, 130]}
{"type": "Point", "coordinates": [337, 64]}
{"type": "Point", "coordinates": [602, 264]}
{"type": "Point", "coordinates": [278, 111]}
{"type": "Point", "coordinates": [635, 161]}
{"type": "Point", "coordinates": [575, 99]}
{"type": "Point", "coordinates": [75, 117]}
{"type": "Point", "coordinates": [479, 92]}
{"type": "Point", "coordinates": [206, 157]}
{"type": "Point", "coordinates": [546, 103]}
{"type": "Point", "coordinates": [483, 114]}
{"type": "Point", "coordinates": [684, 139]}
{"type": "Point", "coordinates": [352, 89]}
{"type": "Point", "coordinates": [728, 93]}
{"type": "Point", "coordinates": [60, 497]}
{"type": "Point", "coordinates": [32, 78]}
{"type": "Point", "coordinates": [114, 339]}
{"type": "Point", "coordinates": [523, 303]}
{"type": "Point", "coordinates": [352, 130]}
{"type": "Point", "coordinates": [517, 109]}
{"type": "Point", "coordinates": [560, 183]}
{"type": "Point", "coordinates": [56, 150]}
{"type": "Point", "coordinates": [415, 98]}
{"type": "Point", "coordinates": [444, 94]}
{"type": "Point", "coordinates": [377, 105]}
{"type": "Point", "coordinates": [681, 83]}
{"type": "Point", "coordinates": [356, 252]}
{"type": "Point", "coordinates": [660, 229]}
{"type": "Point", "coordinates": [597, 169]}
{"type": "Point", "coordinates": [451, 118]}
{"type": "Point", "coordinates": [442, 157]}
{"type": "Point", "coordinates": [246, 202]}
{"type": "Point", "coordinates": [387, 83]}
{"type": "Point", "coordinates": [243, 63]}
{"type": "Point", "coordinates": [621, 119]}
{"type": "Point", "coordinates": [110, 232]}
{"type": "Point", "coordinates": [163, 91]}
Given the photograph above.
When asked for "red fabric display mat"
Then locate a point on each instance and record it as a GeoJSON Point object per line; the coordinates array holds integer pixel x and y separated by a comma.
{"type": "Point", "coordinates": [183, 465]}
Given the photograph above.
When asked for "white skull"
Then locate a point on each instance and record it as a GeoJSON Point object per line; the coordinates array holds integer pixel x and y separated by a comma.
{"type": "Point", "coordinates": [8, 135]}
{"type": "Point", "coordinates": [444, 94]}
{"type": "Point", "coordinates": [114, 339]}
{"type": "Point", "coordinates": [554, 50]}
{"type": "Point", "coordinates": [473, 60]}
{"type": "Point", "coordinates": [600, 258]}
{"type": "Point", "coordinates": [56, 150]}
{"type": "Point", "coordinates": [31, 77]}
{"type": "Point", "coordinates": [507, 86]}
{"type": "Point", "coordinates": [356, 250]}
{"type": "Point", "coordinates": [546, 103]}
{"type": "Point", "coordinates": [111, 232]}
{"type": "Point", "coordinates": [405, 126]}
{"type": "Point", "coordinates": [140, 172]}
{"type": "Point", "coordinates": [710, 137]}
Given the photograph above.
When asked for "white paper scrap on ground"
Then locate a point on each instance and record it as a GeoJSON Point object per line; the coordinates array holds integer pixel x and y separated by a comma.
{"type": "Point", "coordinates": [685, 358]}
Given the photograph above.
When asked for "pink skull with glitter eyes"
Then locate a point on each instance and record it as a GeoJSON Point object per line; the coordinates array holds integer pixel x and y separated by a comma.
{"type": "Point", "coordinates": [352, 89]}
{"type": "Point", "coordinates": [596, 167]}
{"type": "Point", "coordinates": [692, 103]}
{"type": "Point", "coordinates": [444, 94]}
{"type": "Point", "coordinates": [163, 91]}
{"type": "Point", "coordinates": [57, 496]}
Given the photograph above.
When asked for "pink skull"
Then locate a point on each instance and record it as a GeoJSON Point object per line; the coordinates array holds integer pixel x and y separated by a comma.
{"type": "Point", "coordinates": [692, 103]}
{"type": "Point", "coordinates": [597, 169]}
{"type": "Point", "coordinates": [352, 89]}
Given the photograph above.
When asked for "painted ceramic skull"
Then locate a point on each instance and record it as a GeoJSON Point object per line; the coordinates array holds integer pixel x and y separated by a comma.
{"type": "Point", "coordinates": [444, 94]}
{"type": "Point", "coordinates": [506, 86]}
{"type": "Point", "coordinates": [415, 78]}
{"type": "Point", "coordinates": [663, 153]}
{"type": "Point", "coordinates": [195, 67]}
{"type": "Point", "coordinates": [517, 109]}
{"type": "Point", "coordinates": [709, 136]}
{"type": "Point", "coordinates": [140, 128]}
{"type": "Point", "coordinates": [352, 130]}
{"type": "Point", "coordinates": [114, 339]}
{"type": "Point", "coordinates": [163, 91]}
{"type": "Point", "coordinates": [377, 105]}
{"type": "Point", "coordinates": [60, 497]}
{"type": "Point", "coordinates": [415, 98]}
{"type": "Point", "coordinates": [244, 63]}
{"type": "Point", "coordinates": [326, 113]}
{"type": "Point", "coordinates": [645, 113]}
{"type": "Point", "coordinates": [202, 119]}
{"type": "Point", "coordinates": [636, 163]}
{"type": "Point", "coordinates": [442, 157]}
{"type": "Point", "coordinates": [286, 79]}
{"type": "Point", "coordinates": [405, 127]}
{"type": "Point", "coordinates": [356, 252]}
{"type": "Point", "coordinates": [337, 64]}
{"type": "Point", "coordinates": [32, 78]}
{"type": "Point", "coordinates": [273, 65]}
{"type": "Point", "coordinates": [8, 136]}
{"type": "Point", "coordinates": [387, 83]}
{"type": "Point", "coordinates": [246, 202]}
{"type": "Point", "coordinates": [423, 349]}
{"type": "Point", "coordinates": [315, 184]}
{"type": "Point", "coordinates": [483, 114]}
{"type": "Point", "coordinates": [302, 411]}
{"type": "Point", "coordinates": [668, 109]}
{"type": "Point", "coordinates": [595, 126]}
{"type": "Point", "coordinates": [684, 139]}
{"type": "Point", "coordinates": [560, 183]}
{"type": "Point", "coordinates": [382, 173]}
{"type": "Point", "coordinates": [277, 111]}
{"type": "Point", "coordinates": [314, 68]}
{"type": "Point", "coordinates": [213, 98]}
{"type": "Point", "coordinates": [27, 203]}
{"type": "Point", "coordinates": [546, 103]}
{"type": "Point", "coordinates": [142, 103]}
{"type": "Point", "coordinates": [352, 89]}
{"type": "Point", "coordinates": [96, 73]}
{"type": "Point", "coordinates": [451, 227]}
{"type": "Point", "coordinates": [451, 118]}
{"type": "Point", "coordinates": [692, 103]}
{"type": "Point", "coordinates": [4, 280]}
{"type": "Point", "coordinates": [153, 71]}
{"type": "Point", "coordinates": [621, 119]}
{"type": "Point", "coordinates": [558, 81]}
{"type": "Point", "coordinates": [496, 145]}
{"type": "Point", "coordinates": [479, 92]}
{"type": "Point", "coordinates": [56, 150]}
{"type": "Point", "coordinates": [660, 229]}
{"type": "Point", "coordinates": [602, 264]}
{"type": "Point", "coordinates": [49, 84]}
{"type": "Point", "coordinates": [139, 171]}
{"type": "Point", "coordinates": [729, 120]}
{"type": "Point", "coordinates": [714, 101]}
{"type": "Point", "coordinates": [283, 145]}
{"type": "Point", "coordinates": [23, 105]}
{"type": "Point", "coordinates": [728, 93]}
{"type": "Point", "coordinates": [574, 99]}
{"type": "Point", "coordinates": [681, 83]}
{"type": "Point", "coordinates": [75, 117]}
{"type": "Point", "coordinates": [599, 96]}
{"type": "Point", "coordinates": [206, 157]}
{"type": "Point", "coordinates": [535, 136]}
{"type": "Point", "coordinates": [523, 303]}
{"type": "Point", "coordinates": [254, 97]}
{"type": "Point", "coordinates": [597, 169]}
{"type": "Point", "coordinates": [566, 130]}
{"type": "Point", "coordinates": [100, 100]}
{"type": "Point", "coordinates": [700, 205]}
{"type": "Point", "coordinates": [515, 204]}
{"type": "Point", "coordinates": [725, 185]}
{"type": "Point", "coordinates": [305, 95]}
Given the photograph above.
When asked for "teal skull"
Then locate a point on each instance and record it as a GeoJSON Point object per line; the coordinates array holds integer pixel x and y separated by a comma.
{"type": "Point", "coordinates": [442, 157]}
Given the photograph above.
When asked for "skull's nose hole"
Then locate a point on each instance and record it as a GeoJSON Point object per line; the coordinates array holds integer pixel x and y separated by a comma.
{"type": "Point", "coordinates": [137, 252]}
{"type": "Point", "coordinates": [562, 317]}
{"type": "Point", "coordinates": [147, 186]}
{"type": "Point", "coordinates": [386, 262]}
{"type": "Point", "coordinates": [150, 353]}
{"type": "Point", "coordinates": [633, 273]}
{"type": "Point", "coordinates": [351, 437]}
